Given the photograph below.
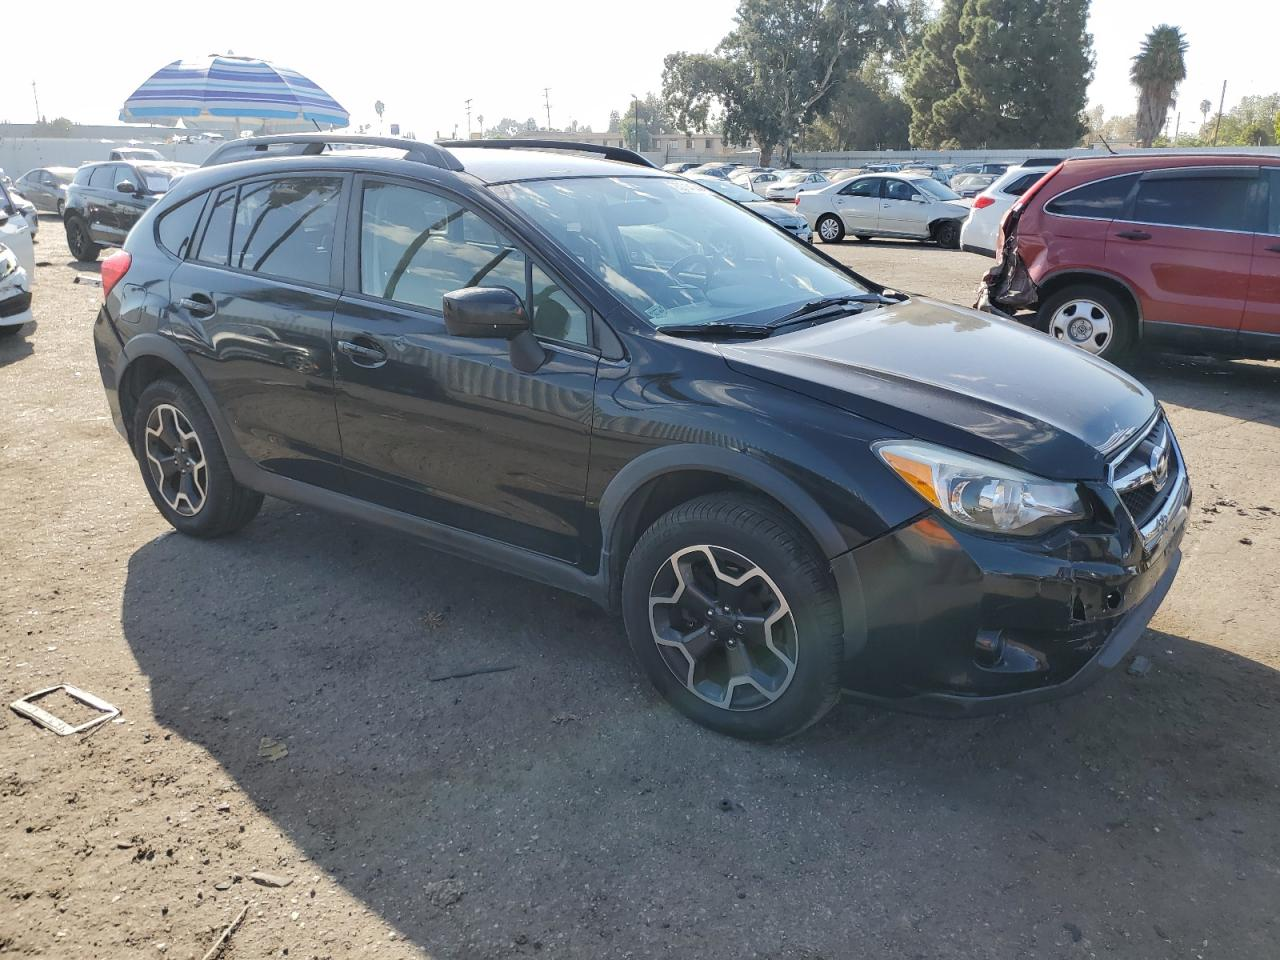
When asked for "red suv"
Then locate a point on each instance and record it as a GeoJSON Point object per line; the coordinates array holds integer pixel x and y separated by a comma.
{"type": "Point", "coordinates": [1180, 251]}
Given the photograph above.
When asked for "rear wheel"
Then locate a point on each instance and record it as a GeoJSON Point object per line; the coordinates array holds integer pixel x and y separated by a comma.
{"type": "Point", "coordinates": [947, 233]}
{"type": "Point", "coordinates": [61, 208]}
{"type": "Point", "coordinates": [1091, 318]}
{"type": "Point", "coordinates": [78, 240]}
{"type": "Point", "coordinates": [183, 464]}
{"type": "Point", "coordinates": [734, 617]}
{"type": "Point", "coordinates": [829, 228]}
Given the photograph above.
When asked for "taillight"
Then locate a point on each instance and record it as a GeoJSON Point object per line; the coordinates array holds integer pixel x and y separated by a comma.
{"type": "Point", "coordinates": [796, 201]}
{"type": "Point", "coordinates": [113, 269]}
{"type": "Point", "coordinates": [982, 201]}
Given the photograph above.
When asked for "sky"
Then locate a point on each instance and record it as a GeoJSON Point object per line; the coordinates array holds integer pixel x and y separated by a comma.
{"type": "Point", "coordinates": [424, 60]}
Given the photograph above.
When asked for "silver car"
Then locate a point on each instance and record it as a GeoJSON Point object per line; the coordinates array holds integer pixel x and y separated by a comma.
{"type": "Point", "coordinates": [46, 187]}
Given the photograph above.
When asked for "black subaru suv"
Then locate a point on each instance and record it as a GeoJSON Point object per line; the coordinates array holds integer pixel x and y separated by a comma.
{"type": "Point", "coordinates": [105, 200]}
{"type": "Point", "coordinates": [789, 480]}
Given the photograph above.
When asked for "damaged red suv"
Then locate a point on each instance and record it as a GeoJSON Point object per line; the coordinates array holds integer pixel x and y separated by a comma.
{"type": "Point", "coordinates": [1116, 253]}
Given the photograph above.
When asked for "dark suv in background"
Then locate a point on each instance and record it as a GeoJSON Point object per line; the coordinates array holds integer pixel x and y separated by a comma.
{"type": "Point", "coordinates": [105, 200]}
{"type": "Point", "coordinates": [787, 478]}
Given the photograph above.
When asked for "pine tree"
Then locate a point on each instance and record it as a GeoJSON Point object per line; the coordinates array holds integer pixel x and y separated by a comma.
{"type": "Point", "coordinates": [931, 75]}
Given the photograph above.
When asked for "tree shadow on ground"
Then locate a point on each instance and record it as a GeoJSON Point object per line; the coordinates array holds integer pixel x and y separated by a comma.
{"type": "Point", "coordinates": [570, 808]}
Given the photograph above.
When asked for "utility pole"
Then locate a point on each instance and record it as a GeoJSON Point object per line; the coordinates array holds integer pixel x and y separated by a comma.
{"type": "Point", "coordinates": [468, 106]}
{"type": "Point", "coordinates": [546, 98]}
{"type": "Point", "coordinates": [1221, 103]}
{"type": "Point", "coordinates": [635, 127]}
{"type": "Point", "coordinates": [1176, 128]}
{"type": "Point", "coordinates": [36, 96]}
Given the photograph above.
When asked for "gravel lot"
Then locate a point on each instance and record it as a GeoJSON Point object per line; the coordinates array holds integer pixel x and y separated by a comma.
{"type": "Point", "coordinates": [558, 808]}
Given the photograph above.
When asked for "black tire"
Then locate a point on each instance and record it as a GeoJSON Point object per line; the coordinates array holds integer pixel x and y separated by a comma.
{"type": "Point", "coordinates": [864, 238]}
{"type": "Point", "coordinates": [759, 532]}
{"type": "Point", "coordinates": [1116, 347]}
{"type": "Point", "coordinates": [832, 225]}
{"type": "Point", "coordinates": [62, 207]}
{"type": "Point", "coordinates": [226, 506]}
{"type": "Point", "coordinates": [947, 234]}
{"type": "Point", "coordinates": [82, 247]}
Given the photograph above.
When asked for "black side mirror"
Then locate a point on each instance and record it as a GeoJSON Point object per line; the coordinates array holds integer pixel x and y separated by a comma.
{"type": "Point", "coordinates": [497, 313]}
{"type": "Point", "coordinates": [125, 186]}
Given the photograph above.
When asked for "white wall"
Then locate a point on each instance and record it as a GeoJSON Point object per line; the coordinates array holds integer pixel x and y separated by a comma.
{"type": "Point", "coordinates": [18, 155]}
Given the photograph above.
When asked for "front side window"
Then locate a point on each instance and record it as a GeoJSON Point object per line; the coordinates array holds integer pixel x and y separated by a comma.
{"type": "Point", "coordinates": [284, 228]}
{"type": "Point", "coordinates": [124, 174]}
{"type": "Point", "coordinates": [676, 253]}
{"type": "Point", "coordinates": [899, 190]}
{"type": "Point", "coordinates": [1101, 200]}
{"type": "Point", "coordinates": [1207, 203]}
{"type": "Point", "coordinates": [416, 246]}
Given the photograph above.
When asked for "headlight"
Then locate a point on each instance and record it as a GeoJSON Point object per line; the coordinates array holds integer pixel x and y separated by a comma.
{"type": "Point", "coordinates": [8, 262]}
{"type": "Point", "coordinates": [981, 494]}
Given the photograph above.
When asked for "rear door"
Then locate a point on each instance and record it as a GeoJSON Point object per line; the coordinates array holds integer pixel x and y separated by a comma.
{"type": "Point", "coordinates": [858, 204]}
{"type": "Point", "coordinates": [126, 208]}
{"type": "Point", "coordinates": [904, 209]}
{"type": "Point", "coordinates": [1260, 330]}
{"type": "Point", "coordinates": [1185, 244]}
{"type": "Point", "coordinates": [445, 427]}
{"type": "Point", "coordinates": [252, 307]}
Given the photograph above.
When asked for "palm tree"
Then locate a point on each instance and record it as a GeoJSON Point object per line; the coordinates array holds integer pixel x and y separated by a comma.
{"type": "Point", "coordinates": [1157, 70]}
{"type": "Point", "coordinates": [1205, 107]}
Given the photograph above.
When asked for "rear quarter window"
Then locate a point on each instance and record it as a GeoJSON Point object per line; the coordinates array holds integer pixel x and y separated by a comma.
{"type": "Point", "coordinates": [177, 225]}
{"type": "Point", "coordinates": [1100, 200]}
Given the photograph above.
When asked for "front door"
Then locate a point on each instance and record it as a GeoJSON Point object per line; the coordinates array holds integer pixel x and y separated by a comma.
{"type": "Point", "coordinates": [253, 307]}
{"type": "Point", "coordinates": [1261, 327]}
{"type": "Point", "coordinates": [904, 210]}
{"type": "Point", "coordinates": [444, 427]}
{"type": "Point", "coordinates": [1186, 244]}
{"type": "Point", "coordinates": [858, 205]}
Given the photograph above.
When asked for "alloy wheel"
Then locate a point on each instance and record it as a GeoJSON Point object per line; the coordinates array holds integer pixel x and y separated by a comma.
{"type": "Point", "coordinates": [1083, 323]}
{"type": "Point", "coordinates": [723, 627]}
{"type": "Point", "coordinates": [176, 460]}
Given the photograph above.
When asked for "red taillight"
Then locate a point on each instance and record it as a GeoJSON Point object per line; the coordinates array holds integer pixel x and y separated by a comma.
{"type": "Point", "coordinates": [797, 200]}
{"type": "Point", "coordinates": [983, 201]}
{"type": "Point", "coordinates": [113, 268]}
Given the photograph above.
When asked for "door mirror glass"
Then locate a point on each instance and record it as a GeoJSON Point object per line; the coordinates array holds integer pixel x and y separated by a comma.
{"type": "Point", "coordinates": [126, 186]}
{"type": "Point", "coordinates": [485, 312]}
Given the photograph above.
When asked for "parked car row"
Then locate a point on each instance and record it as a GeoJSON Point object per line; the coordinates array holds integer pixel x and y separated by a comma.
{"type": "Point", "coordinates": [17, 266]}
{"type": "Point", "coordinates": [911, 206]}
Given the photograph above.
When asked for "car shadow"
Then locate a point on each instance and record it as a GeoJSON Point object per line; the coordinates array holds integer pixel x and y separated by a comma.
{"type": "Point", "coordinates": [1242, 389]}
{"type": "Point", "coordinates": [17, 346]}
{"type": "Point", "coordinates": [557, 801]}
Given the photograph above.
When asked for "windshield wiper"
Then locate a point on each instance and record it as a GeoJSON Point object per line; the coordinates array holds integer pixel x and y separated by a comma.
{"type": "Point", "coordinates": [826, 303]}
{"type": "Point", "coordinates": [715, 329]}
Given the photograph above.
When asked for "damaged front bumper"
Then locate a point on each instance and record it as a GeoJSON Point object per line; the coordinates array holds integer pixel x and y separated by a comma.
{"type": "Point", "coordinates": [958, 623]}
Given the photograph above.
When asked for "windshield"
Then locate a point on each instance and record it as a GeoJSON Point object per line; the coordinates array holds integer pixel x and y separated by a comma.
{"type": "Point", "coordinates": [157, 179]}
{"type": "Point", "coordinates": [730, 190]}
{"type": "Point", "coordinates": [935, 189]}
{"type": "Point", "coordinates": [677, 253]}
{"type": "Point", "coordinates": [795, 177]}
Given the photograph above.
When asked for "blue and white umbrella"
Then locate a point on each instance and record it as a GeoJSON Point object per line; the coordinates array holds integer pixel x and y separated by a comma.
{"type": "Point", "coordinates": [220, 90]}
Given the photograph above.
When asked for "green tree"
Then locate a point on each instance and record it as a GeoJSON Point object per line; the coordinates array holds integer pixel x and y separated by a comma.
{"type": "Point", "coordinates": [864, 114]}
{"type": "Point", "coordinates": [654, 119]}
{"type": "Point", "coordinates": [1158, 67]}
{"type": "Point", "coordinates": [775, 70]}
{"type": "Point", "coordinates": [504, 128]}
{"type": "Point", "coordinates": [57, 127]}
{"type": "Point", "coordinates": [1001, 73]}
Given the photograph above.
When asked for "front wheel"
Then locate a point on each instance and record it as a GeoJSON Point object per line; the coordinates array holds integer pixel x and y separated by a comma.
{"type": "Point", "coordinates": [830, 229]}
{"type": "Point", "coordinates": [735, 617]}
{"type": "Point", "coordinates": [183, 464]}
{"type": "Point", "coordinates": [948, 234]}
{"type": "Point", "coordinates": [61, 208]}
{"type": "Point", "coordinates": [1091, 318]}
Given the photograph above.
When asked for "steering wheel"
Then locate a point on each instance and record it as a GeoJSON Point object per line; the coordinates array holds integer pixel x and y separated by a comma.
{"type": "Point", "coordinates": [710, 267]}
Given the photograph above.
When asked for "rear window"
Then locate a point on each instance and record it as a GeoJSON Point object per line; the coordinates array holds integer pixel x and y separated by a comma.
{"type": "Point", "coordinates": [1023, 183]}
{"type": "Point", "coordinates": [1100, 200]}
{"type": "Point", "coordinates": [1206, 203]}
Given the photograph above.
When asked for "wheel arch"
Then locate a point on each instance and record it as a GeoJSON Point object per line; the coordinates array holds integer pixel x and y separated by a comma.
{"type": "Point", "coordinates": [1056, 282]}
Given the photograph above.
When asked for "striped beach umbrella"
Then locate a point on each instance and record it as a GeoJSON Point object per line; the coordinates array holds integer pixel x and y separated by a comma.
{"type": "Point", "coordinates": [217, 91]}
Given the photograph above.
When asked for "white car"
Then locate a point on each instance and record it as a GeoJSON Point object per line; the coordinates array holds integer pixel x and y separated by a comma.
{"type": "Point", "coordinates": [903, 205]}
{"type": "Point", "coordinates": [978, 235]}
{"type": "Point", "coordinates": [757, 183]}
{"type": "Point", "coordinates": [15, 292]}
{"type": "Point", "coordinates": [793, 182]}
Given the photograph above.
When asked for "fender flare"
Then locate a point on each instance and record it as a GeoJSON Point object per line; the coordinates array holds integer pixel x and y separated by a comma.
{"type": "Point", "coordinates": [155, 345]}
{"type": "Point", "coordinates": [1086, 272]}
{"type": "Point", "coordinates": [731, 463]}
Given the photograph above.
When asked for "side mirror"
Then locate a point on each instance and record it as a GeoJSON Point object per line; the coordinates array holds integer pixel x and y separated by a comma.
{"type": "Point", "coordinates": [494, 313]}
{"type": "Point", "coordinates": [126, 186]}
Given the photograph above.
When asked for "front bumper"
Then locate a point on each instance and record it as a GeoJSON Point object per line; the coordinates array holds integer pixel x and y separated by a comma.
{"type": "Point", "coordinates": [961, 624]}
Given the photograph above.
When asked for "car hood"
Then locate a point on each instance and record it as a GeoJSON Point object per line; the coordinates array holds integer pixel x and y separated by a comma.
{"type": "Point", "coordinates": [967, 380]}
{"type": "Point", "coordinates": [777, 214]}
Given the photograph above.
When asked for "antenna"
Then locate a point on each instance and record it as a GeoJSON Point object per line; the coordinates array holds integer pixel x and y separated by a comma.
{"type": "Point", "coordinates": [1107, 145]}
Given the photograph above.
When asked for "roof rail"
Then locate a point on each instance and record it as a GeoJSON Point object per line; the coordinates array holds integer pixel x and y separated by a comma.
{"type": "Point", "coordinates": [310, 144]}
{"type": "Point", "coordinates": [621, 154]}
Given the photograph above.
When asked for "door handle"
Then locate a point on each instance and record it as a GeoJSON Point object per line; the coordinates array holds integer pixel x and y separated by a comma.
{"type": "Point", "coordinates": [367, 354]}
{"type": "Point", "coordinates": [1134, 235]}
{"type": "Point", "coordinates": [198, 305]}
{"type": "Point", "coordinates": [1274, 248]}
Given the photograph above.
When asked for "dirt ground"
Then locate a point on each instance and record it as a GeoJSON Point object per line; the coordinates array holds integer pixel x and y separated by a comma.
{"type": "Point", "coordinates": [558, 808]}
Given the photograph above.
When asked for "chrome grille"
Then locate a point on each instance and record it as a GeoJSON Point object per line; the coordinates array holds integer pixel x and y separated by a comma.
{"type": "Point", "coordinates": [1147, 475]}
